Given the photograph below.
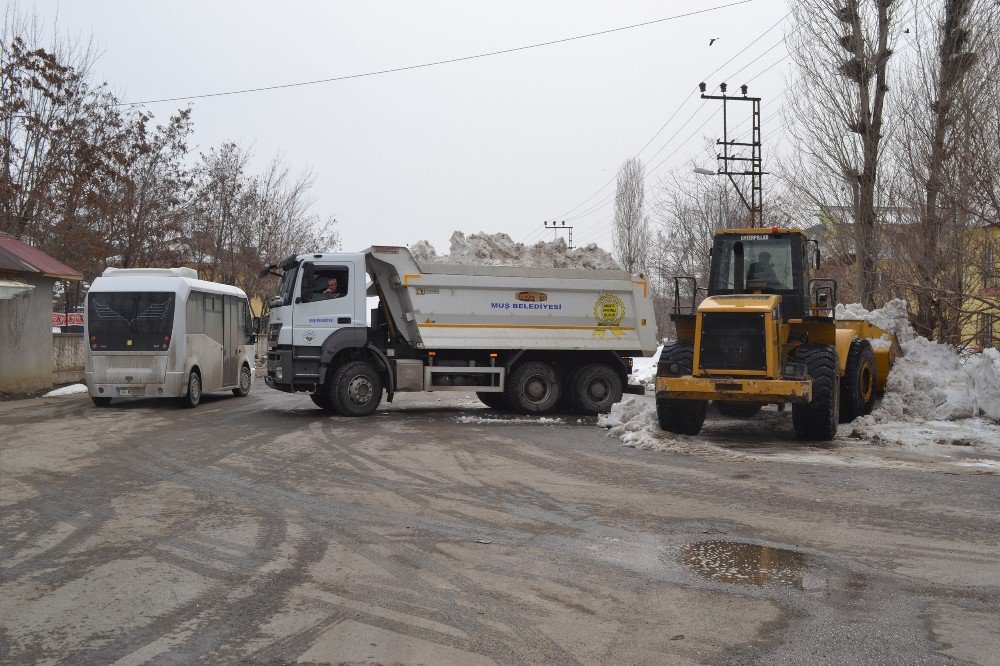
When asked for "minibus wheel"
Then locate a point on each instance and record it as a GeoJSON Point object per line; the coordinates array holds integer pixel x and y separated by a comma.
{"type": "Point", "coordinates": [193, 395]}
{"type": "Point", "coordinates": [244, 388]}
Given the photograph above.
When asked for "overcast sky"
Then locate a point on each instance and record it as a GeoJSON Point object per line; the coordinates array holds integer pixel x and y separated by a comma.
{"type": "Point", "coordinates": [493, 144]}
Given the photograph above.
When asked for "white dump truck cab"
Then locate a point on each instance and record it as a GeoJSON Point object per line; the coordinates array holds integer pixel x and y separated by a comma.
{"type": "Point", "coordinates": [530, 340]}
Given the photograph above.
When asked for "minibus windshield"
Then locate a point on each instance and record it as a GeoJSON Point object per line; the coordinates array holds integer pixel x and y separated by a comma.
{"type": "Point", "coordinates": [130, 321]}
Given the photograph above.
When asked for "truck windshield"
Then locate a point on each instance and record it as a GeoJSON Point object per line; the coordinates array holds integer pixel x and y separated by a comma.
{"type": "Point", "coordinates": [768, 259]}
{"type": "Point", "coordinates": [288, 283]}
{"type": "Point", "coordinates": [130, 321]}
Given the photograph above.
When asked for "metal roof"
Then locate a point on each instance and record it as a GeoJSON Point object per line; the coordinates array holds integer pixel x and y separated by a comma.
{"type": "Point", "coordinates": [19, 257]}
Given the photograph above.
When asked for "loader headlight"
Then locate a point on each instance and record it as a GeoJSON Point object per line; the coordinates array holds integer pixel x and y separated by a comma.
{"type": "Point", "coordinates": [793, 370]}
{"type": "Point", "coordinates": [669, 370]}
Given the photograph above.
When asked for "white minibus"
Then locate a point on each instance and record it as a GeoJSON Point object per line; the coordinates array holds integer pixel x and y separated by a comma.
{"type": "Point", "coordinates": [162, 332]}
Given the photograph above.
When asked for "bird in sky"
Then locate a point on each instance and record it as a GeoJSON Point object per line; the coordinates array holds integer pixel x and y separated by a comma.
{"type": "Point", "coordinates": [712, 40]}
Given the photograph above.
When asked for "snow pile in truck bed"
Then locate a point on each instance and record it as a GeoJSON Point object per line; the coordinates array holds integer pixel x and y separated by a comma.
{"type": "Point", "coordinates": [483, 249]}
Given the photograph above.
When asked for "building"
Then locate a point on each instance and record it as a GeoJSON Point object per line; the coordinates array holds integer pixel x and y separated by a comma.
{"type": "Point", "coordinates": [27, 276]}
{"type": "Point", "coordinates": [981, 328]}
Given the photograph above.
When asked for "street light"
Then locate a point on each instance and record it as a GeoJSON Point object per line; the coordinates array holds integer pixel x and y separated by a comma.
{"type": "Point", "coordinates": [705, 172]}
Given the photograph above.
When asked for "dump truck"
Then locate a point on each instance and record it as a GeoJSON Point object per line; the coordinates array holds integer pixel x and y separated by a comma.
{"type": "Point", "coordinates": [766, 333]}
{"type": "Point", "coordinates": [532, 340]}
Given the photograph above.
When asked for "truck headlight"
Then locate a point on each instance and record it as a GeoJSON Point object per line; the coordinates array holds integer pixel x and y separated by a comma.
{"type": "Point", "coordinates": [793, 370]}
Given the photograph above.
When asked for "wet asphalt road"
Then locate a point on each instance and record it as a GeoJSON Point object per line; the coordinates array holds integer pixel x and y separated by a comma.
{"type": "Point", "coordinates": [259, 530]}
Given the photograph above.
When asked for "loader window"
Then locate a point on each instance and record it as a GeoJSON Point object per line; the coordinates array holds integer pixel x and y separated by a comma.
{"type": "Point", "coordinates": [766, 259]}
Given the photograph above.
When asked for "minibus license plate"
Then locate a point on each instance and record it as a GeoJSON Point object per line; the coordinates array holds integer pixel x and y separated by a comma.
{"type": "Point", "coordinates": [124, 392]}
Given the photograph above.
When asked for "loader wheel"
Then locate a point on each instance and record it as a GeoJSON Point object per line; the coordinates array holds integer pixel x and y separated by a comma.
{"type": "Point", "coordinates": [355, 389]}
{"type": "Point", "coordinates": [817, 420]}
{"type": "Point", "coordinates": [492, 400]}
{"type": "Point", "coordinates": [683, 417]}
{"type": "Point", "coordinates": [594, 388]}
{"type": "Point", "coordinates": [737, 410]}
{"type": "Point", "coordinates": [533, 388]}
{"type": "Point", "coordinates": [857, 387]}
{"type": "Point", "coordinates": [322, 400]}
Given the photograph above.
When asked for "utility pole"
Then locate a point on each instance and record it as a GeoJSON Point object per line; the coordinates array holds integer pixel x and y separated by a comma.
{"type": "Point", "coordinates": [556, 227]}
{"type": "Point", "coordinates": [753, 165]}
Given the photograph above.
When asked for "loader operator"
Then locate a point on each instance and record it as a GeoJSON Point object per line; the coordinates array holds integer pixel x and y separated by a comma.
{"type": "Point", "coordinates": [763, 269]}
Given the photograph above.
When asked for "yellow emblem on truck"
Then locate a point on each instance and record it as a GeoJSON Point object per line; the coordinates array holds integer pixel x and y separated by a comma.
{"type": "Point", "coordinates": [609, 310]}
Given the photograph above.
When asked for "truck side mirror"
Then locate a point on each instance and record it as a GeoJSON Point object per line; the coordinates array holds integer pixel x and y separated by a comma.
{"type": "Point", "coordinates": [815, 259]}
{"type": "Point", "coordinates": [306, 288]}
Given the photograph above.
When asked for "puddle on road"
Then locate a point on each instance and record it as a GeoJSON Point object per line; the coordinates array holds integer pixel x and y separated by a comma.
{"type": "Point", "coordinates": [745, 563]}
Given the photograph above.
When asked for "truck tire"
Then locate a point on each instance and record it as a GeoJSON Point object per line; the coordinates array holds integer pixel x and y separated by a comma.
{"type": "Point", "coordinates": [682, 417]}
{"type": "Point", "coordinates": [532, 388]}
{"type": "Point", "coordinates": [192, 397]}
{"type": "Point", "coordinates": [817, 420]}
{"type": "Point", "coordinates": [243, 390]}
{"type": "Point", "coordinates": [857, 386]}
{"type": "Point", "coordinates": [737, 410]}
{"type": "Point", "coordinates": [493, 400]}
{"type": "Point", "coordinates": [594, 388]}
{"type": "Point", "coordinates": [321, 399]}
{"type": "Point", "coordinates": [355, 389]}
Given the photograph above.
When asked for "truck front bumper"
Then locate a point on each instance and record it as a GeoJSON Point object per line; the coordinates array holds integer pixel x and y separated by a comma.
{"type": "Point", "coordinates": [736, 389]}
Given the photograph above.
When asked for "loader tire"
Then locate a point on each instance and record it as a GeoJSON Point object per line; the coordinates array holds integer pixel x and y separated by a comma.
{"type": "Point", "coordinates": [593, 389]}
{"type": "Point", "coordinates": [492, 400]}
{"type": "Point", "coordinates": [355, 389]}
{"type": "Point", "coordinates": [683, 417]}
{"type": "Point", "coordinates": [816, 421]}
{"type": "Point", "coordinates": [857, 386]}
{"type": "Point", "coordinates": [532, 388]}
{"type": "Point", "coordinates": [737, 410]}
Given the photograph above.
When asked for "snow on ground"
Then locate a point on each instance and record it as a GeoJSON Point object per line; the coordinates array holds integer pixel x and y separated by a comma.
{"type": "Point", "coordinates": [644, 369]}
{"type": "Point", "coordinates": [66, 390]}
{"type": "Point", "coordinates": [483, 249]}
{"type": "Point", "coordinates": [527, 420]}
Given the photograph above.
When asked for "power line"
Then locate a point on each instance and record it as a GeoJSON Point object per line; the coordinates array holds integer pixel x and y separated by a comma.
{"type": "Point", "coordinates": [681, 105]}
{"type": "Point", "coordinates": [437, 62]}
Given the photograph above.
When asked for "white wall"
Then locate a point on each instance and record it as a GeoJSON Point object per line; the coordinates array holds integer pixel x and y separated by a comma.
{"type": "Point", "coordinates": [26, 351]}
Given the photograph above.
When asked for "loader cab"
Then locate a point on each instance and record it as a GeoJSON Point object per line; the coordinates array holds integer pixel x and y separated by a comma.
{"type": "Point", "coordinates": [775, 261]}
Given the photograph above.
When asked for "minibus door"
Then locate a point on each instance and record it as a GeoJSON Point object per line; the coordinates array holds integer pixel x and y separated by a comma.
{"type": "Point", "coordinates": [232, 340]}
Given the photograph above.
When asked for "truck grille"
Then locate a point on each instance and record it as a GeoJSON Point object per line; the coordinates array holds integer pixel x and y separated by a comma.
{"type": "Point", "coordinates": [733, 341]}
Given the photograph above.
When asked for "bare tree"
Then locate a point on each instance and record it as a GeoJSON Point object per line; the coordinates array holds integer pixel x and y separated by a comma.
{"type": "Point", "coordinates": [842, 49]}
{"type": "Point", "coordinates": [631, 226]}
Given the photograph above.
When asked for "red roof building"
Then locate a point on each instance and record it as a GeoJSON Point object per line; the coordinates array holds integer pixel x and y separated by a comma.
{"type": "Point", "coordinates": [18, 257]}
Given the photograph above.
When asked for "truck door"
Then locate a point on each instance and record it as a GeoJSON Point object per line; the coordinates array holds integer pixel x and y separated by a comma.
{"type": "Point", "coordinates": [326, 301]}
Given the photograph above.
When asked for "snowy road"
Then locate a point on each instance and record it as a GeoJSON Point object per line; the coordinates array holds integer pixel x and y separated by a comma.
{"type": "Point", "coordinates": [260, 530]}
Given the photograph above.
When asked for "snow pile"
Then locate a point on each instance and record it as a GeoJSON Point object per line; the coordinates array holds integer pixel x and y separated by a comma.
{"type": "Point", "coordinates": [634, 423]}
{"type": "Point", "coordinates": [66, 390]}
{"type": "Point", "coordinates": [893, 317]}
{"type": "Point", "coordinates": [644, 369]}
{"type": "Point", "coordinates": [934, 395]}
{"type": "Point", "coordinates": [485, 249]}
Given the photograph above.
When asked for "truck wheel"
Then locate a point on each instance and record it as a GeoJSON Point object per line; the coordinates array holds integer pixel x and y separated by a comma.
{"type": "Point", "coordinates": [683, 417]}
{"type": "Point", "coordinates": [356, 389]}
{"type": "Point", "coordinates": [244, 388]}
{"type": "Point", "coordinates": [533, 388]}
{"type": "Point", "coordinates": [322, 400]}
{"type": "Point", "coordinates": [737, 410]}
{"type": "Point", "coordinates": [493, 400]}
{"type": "Point", "coordinates": [594, 388]}
{"type": "Point", "coordinates": [193, 395]}
{"type": "Point", "coordinates": [857, 387]}
{"type": "Point", "coordinates": [100, 401]}
{"type": "Point", "coordinates": [817, 420]}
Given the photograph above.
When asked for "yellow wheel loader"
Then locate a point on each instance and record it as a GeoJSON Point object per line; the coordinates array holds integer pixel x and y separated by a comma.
{"type": "Point", "coordinates": [766, 334]}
